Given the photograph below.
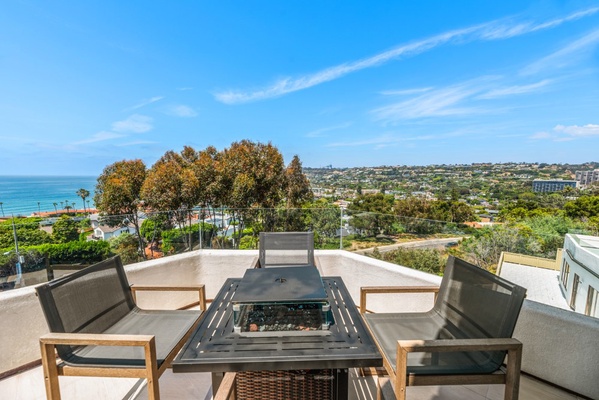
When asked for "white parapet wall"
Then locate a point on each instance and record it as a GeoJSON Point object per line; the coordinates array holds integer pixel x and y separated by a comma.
{"type": "Point", "coordinates": [560, 347]}
{"type": "Point", "coordinates": [22, 321]}
{"type": "Point", "coordinates": [359, 270]}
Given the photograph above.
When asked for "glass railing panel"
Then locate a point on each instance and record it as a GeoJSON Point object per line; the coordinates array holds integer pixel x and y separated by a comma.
{"type": "Point", "coordinates": [34, 250]}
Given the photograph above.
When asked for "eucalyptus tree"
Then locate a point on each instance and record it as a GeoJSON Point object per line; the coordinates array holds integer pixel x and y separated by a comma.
{"type": "Point", "coordinates": [297, 186]}
{"type": "Point", "coordinates": [172, 186]}
{"type": "Point", "coordinates": [297, 193]}
{"type": "Point", "coordinates": [253, 177]}
{"type": "Point", "coordinates": [118, 193]}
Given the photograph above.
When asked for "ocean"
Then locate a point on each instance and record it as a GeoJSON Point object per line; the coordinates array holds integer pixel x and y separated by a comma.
{"type": "Point", "coordinates": [20, 195]}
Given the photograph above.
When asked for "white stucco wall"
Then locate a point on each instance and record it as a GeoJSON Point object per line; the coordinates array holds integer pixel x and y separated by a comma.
{"type": "Point", "coordinates": [559, 346]}
{"type": "Point", "coordinates": [22, 320]}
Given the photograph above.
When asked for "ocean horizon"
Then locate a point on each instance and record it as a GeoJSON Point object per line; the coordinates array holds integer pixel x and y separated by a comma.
{"type": "Point", "coordinates": [20, 194]}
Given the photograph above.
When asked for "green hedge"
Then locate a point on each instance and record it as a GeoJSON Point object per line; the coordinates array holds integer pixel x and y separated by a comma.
{"type": "Point", "coordinates": [66, 253]}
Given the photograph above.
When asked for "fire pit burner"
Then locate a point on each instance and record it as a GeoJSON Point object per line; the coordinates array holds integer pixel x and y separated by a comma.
{"type": "Point", "coordinates": [296, 302]}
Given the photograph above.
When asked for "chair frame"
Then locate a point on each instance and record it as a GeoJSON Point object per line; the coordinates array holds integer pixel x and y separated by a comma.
{"type": "Point", "coordinates": [399, 376]}
{"type": "Point", "coordinates": [53, 369]}
{"type": "Point", "coordinates": [265, 236]}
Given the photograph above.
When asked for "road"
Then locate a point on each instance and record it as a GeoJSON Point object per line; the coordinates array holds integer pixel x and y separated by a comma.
{"type": "Point", "coordinates": [418, 244]}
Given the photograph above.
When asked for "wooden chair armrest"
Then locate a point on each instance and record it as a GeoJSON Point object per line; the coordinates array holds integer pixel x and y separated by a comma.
{"type": "Point", "coordinates": [201, 289]}
{"type": "Point", "coordinates": [449, 345]}
{"type": "Point", "coordinates": [227, 387]}
{"type": "Point", "coordinates": [364, 290]}
{"type": "Point", "coordinates": [511, 378]}
{"type": "Point", "coordinates": [95, 339]}
{"type": "Point", "coordinates": [49, 342]}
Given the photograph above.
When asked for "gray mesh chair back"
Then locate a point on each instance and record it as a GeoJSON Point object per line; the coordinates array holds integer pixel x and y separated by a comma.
{"type": "Point", "coordinates": [286, 249]}
{"type": "Point", "coordinates": [476, 304]}
{"type": "Point", "coordinates": [86, 301]}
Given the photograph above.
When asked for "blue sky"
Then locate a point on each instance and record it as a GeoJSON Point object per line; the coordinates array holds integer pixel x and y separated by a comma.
{"type": "Point", "coordinates": [342, 83]}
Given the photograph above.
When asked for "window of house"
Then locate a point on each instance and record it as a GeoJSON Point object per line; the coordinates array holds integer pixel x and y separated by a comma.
{"type": "Point", "coordinates": [591, 307]}
{"type": "Point", "coordinates": [574, 291]}
{"type": "Point", "coordinates": [565, 273]}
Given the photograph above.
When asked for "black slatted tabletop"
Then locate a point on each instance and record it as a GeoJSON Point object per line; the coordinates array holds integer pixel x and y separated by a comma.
{"type": "Point", "coordinates": [215, 347]}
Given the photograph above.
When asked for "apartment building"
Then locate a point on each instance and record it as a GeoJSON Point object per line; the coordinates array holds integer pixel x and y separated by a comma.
{"type": "Point", "coordinates": [579, 273]}
{"type": "Point", "coordinates": [585, 178]}
{"type": "Point", "coordinates": [539, 185]}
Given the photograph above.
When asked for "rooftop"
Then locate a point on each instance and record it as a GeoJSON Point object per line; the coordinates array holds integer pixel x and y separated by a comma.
{"type": "Point", "coordinates": [545, 354]}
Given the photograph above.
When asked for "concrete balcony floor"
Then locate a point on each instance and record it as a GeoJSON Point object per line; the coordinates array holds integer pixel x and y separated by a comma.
{"type": "Point", "coordinates": [29, 385]}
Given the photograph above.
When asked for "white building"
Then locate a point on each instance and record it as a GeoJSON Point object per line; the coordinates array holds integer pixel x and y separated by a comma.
{"type": "Point", "coordinates": [585, 178]}
{"type": "Point", "coordinates": [105, 232]}
{"type": "Point", "coordinates": [579, 273]}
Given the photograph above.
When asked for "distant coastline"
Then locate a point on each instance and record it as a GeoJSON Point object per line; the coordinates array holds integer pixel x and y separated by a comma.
{"type": "Point", "coordinates": [20, 194]}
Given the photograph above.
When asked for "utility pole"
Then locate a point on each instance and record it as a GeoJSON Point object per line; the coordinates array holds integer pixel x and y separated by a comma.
{"type": "Point", "coordinates": [341, 229]}
{"type": "Point", "coordinates": [19, 258]}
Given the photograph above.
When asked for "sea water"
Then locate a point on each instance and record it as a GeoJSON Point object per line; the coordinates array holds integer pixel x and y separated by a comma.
{"type": "Point", "coordinates": [20, 195]}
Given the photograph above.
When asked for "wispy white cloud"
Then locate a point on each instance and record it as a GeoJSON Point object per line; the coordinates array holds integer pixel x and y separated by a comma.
{"type": "Point", "coordinates": [443, 102]}
{"type": "Point", "coordinates": [321, 132]}
{"type": "Point", "coordinates": [136, 143]}
{"type": "Point", "coordinates": [136, 123]}
{"type": "Point", "coordinates": [404, 92]}
{"type": "Point", "coordinates": [184, 88]}
{"type": "Point", "coordinates": [288, 85]}
{"type": "Point", "coordinates": [99, 137]}
{"type": "Point", "coordinates": [541, 135]}
{"type": "Point", "coordinates": [508, 28]}
{"type": "Point", "coordinates": [566, 55]}
{"type": "Point", "coordinates": [390, 140]}
{"type": "Point", "coordinates": [512, 90]}
{"type": "Point", "coordinates": [145, 102]}
{"type": "Point", "coordinates": [564, 133]}
{"type": "Point", "coordinates": [578, 131]}
{"type": "Point", "coordinates": [180, 110]}
{"type": "Point", "coordinates": [493, 30]}
{"type": "Point", "coordinates": [382, 140]}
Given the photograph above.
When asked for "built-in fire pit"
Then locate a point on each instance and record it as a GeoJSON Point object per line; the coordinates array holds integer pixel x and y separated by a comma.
{"type": "Point", "coordinates": [289, 299]}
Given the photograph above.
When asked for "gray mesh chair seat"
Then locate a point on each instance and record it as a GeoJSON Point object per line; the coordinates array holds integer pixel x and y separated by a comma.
{"type": "Point", "coordinates": [96, 328]}
{"type": "Point", "coordinates": [286, 249]}
{"type": "Point", "coordinates": [167, 327]}
{"type": "Point", "coordinates": [474, 310]}
{"type": "Point", "coordinates": [389, 327]}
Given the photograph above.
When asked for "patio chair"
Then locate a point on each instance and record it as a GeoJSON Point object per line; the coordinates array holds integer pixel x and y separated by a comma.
{"type": "Point", "coordinates": [97, 329]}
{"type": "Point", "coordinates": [463, 339]}
{"type": "Point", "coordinates": [286, 249]}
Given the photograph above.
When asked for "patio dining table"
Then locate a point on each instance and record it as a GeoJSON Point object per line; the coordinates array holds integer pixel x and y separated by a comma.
{"type": "Point", "coordinates": [293, 359]}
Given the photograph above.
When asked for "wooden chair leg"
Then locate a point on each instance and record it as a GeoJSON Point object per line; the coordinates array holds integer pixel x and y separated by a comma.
{"type": "Point", "coordinates": [50, 371]}
{"type": "Point", "coordinates": [512, 378]}
{"type": "Point", "coordinates": [152, 370]}
{"type": "Point", "coordinates": [226, 389]}
{"type": "Point", "coordinates": [401, 373]}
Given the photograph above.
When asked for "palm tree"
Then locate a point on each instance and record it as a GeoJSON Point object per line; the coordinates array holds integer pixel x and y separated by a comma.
{"type": "Point", "coordinates": [39, 210]}
{"type": "Point", "coordinates": [2, 208]}
{"type": "Point", "coordinates": [67, 207]}
{"type": "Point", "coordinates": [55, 210]}
{"type": "Point", "coordinates": [83, 194]}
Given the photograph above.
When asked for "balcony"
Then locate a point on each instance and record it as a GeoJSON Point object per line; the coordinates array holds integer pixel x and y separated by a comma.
{"type": "Point", "coordinates": [559, 346]}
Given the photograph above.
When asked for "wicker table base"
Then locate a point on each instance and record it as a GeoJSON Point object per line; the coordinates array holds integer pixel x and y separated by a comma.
{"type": "Point", "coordinates": [318, 384]}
